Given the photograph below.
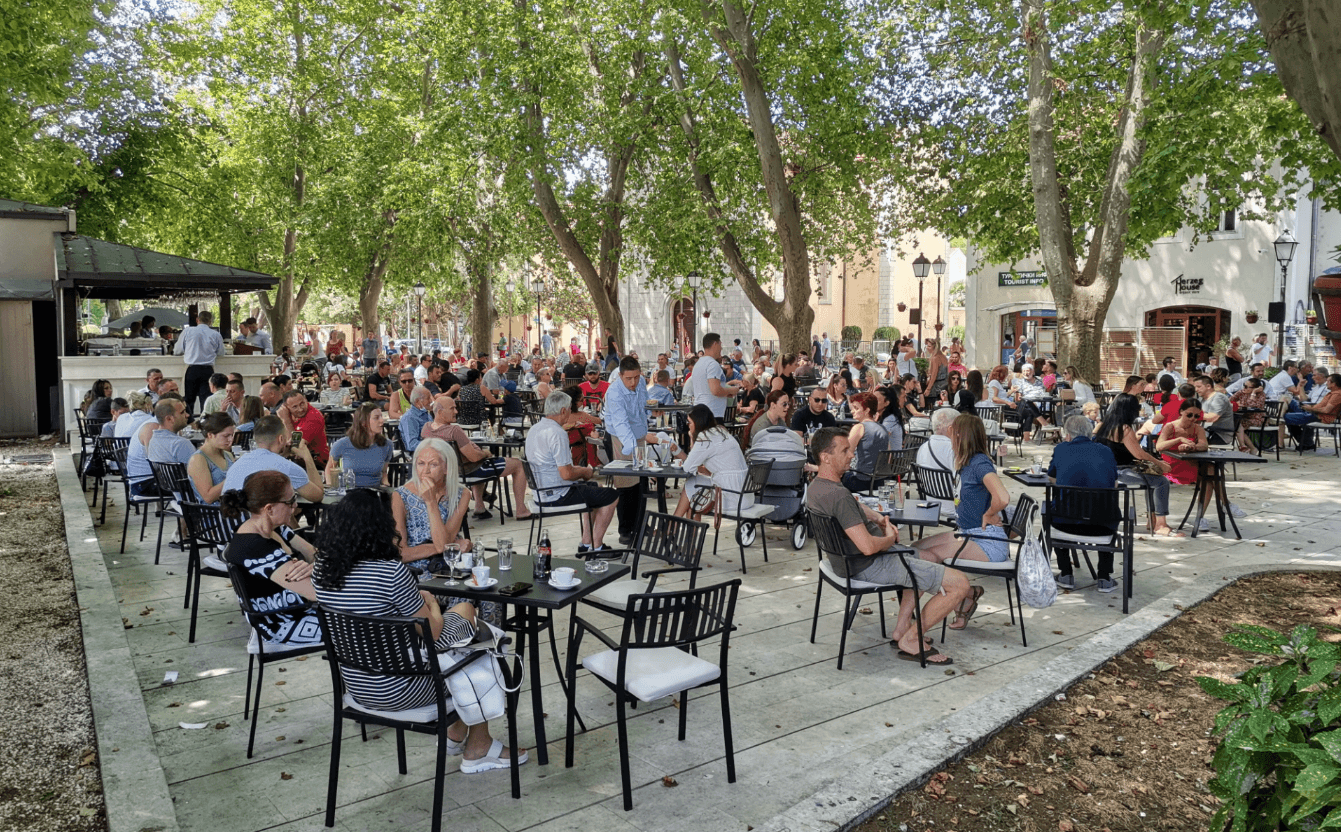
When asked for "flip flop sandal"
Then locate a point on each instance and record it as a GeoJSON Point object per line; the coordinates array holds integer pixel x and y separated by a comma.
{"type": "Point", "coordinates": [966, 615]}
{"type": "Point", "coordinates": [926, 640]}
{"type": "Point", "coordinates": [491, 761]}
{"type": "Point", "coordinates": [913, 657]}
{"type": "Point", "coordinates": [1168, 534]}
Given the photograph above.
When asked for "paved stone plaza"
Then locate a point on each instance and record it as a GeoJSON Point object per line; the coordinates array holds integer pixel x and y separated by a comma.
{"type": "Point", "coordinates": [803, 730]}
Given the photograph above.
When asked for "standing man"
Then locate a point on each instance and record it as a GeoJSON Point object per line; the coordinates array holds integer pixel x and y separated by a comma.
{"type": "Point", "coordinates": [709, 381]}
{"type": "Point", "coordinates": [199, 346]}
{"type": "Point", "coordinates": [252, 335]}
{"type": "Point", "coordinates": [371, 349]}
{"type": "Point", "coordinates": [546, 342]}
{"type": "Point", "coordinates": [626, 422]}
{"type": "Point", "coordinates": [826, 349]}
{"type": "Point", "coordinates": [1261, 351]}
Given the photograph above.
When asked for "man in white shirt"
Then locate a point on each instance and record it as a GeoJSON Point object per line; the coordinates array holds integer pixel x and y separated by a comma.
{"type": "Point", "coordinates": [199, 345]}
{"type": "Point", "coordinates": [1261, 351]}
{"type": "Point", "coordinates": [1169, 371]}
{"type": "Point", "coordinates": [252, 335]}
{"type": "Point", "coordinates": [938, 451]}
{"type": "Point", "coordinates": [1257, 371]}
{"type": "Point", "coordinates": [421, 372]}
{"type": "Point", "coordinates": [1286, 381]}
{"type": "Point", "coordinates": [709, 380]}
{"type": "Point", "coordinates": [558, 481]}
{"type": "Point", "coordinates": [152, 379]}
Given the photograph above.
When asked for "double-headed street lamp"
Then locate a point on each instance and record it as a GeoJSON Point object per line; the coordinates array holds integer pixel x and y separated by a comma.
{"type": "Point", "coordinates": [1285, 245]}
{"type": "Point", "coordinates": [920, 268]}
{"type": "Point", "coordinates": [511, 286]}
{"type": "Point", "coordinates": [537, 289]}
{"type": "Point", "coordinates": [695, 280]}
{"type": "Point", "coordinates": [419, 290]}
{"type": "Point", "coordinates": [938, 269]}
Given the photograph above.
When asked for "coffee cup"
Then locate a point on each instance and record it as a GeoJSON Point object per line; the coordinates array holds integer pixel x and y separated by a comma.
{"type": "Point", "coordinates": [1036, 469]}
{"type": "Point", "coordinates": [563, 576]}
{"type": "Point", "coordinates": [481, 574]}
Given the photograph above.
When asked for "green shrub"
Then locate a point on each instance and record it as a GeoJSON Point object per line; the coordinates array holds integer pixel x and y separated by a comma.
{"type": "Point", "coordinates": [886, 333]}
{"type": "Point", "coordinates": [956, 331]}
{"type": "Point", "coordinates": [851, 333]}
{"type": "Point", "coordinates": [1278, 765]}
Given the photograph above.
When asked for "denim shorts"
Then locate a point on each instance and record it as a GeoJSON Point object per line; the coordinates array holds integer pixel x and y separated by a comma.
{"type": "Point", "coordinates": [992, 540]}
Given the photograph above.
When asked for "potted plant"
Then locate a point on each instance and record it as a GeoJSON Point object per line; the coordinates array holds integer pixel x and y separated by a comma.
{"type": "Point", "coordinates": [1311, 316]}
{"type": "Point", "coordinates": [1251, 316]}
{"type": "Point", "coordinates": [707, 313]}
{"type": "Point", "coordinates": [903, 307]}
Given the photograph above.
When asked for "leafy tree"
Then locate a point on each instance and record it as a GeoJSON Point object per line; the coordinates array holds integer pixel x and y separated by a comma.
{"type": "Point", "coordinates": [1305, 42]}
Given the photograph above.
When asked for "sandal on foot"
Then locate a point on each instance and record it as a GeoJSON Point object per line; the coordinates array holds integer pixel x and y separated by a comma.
{"type": "Point", "coordinates": [931, 658]}
{"type": "Point", "coordinates": [455, 747]}
{"type": "Point", "coordinates": [927, 640]}
{"type": "Point", "coordinates": [965, 614]}
{"type": "Point", "coordinates": [1167, 532]}
{"type": "Point", "coordinates": [491, 761]}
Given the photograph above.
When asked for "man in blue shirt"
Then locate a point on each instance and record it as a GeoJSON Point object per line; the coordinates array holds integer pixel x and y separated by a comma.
{"type": "Point", "coordinates": [661, 392]}
{"type": "Point", "coordinates": [269, 440]}
{"type": "Point", "coordinates": [1083, 463]}
{"type": "Point", "coordinates": [626, 422]}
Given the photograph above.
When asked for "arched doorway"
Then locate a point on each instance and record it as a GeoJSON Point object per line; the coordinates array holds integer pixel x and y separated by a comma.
{"type": "Point", "coordinates": [1203, 325]}
{"type": "Point", "coordinates": [684, 332]}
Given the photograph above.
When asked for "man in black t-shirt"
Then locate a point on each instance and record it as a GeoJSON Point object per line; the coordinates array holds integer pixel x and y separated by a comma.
{"type": "Point", "coordinates": [377, 388]}
{"type": "Point", "coordinates": [815, 414]}
{"type": "Point", "coordinates": [574, 370]}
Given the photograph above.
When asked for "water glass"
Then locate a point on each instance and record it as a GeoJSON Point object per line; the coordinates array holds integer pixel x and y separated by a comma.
{"type": "Point", "coordinates": [452, 555]}
{"type": "Point", "coordinates": [348, 480]}
{"type": "Point", "coordinates": [505, 554]}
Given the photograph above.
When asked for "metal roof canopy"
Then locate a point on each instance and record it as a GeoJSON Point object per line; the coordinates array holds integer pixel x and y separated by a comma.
{"type": "Point", "coordinates": [99, 269]}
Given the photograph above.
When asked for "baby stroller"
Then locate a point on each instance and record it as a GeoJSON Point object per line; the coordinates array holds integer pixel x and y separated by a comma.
{"type": "Point", "coordinates": [786, 488]}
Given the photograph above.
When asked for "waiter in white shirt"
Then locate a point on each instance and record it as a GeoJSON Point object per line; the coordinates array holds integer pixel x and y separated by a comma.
{"type": "Point", "coordinates": [199, 345]}
{"type": "Point", "coordinates": [709, 381]}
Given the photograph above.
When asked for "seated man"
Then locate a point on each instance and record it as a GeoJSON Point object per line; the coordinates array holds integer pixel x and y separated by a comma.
{"type": "Point", "coordinates": [660, 392]}
{"type": "Point", "coordinates": [218, 382]}
{"type": "Point", "coordinates": [378, 385]}
{"type": "Point", "coordinates": [938, 451]}
{"type": "Point", "coordinates": [870, 535]}
{"type": "Point", "coordinates": [413, 421]}
{"type": "Point", "coordinates": [475, 462]}
{"type": "Point", "coordinates": [271, 450]}
{"type": "Point", "coordinates": [399, 402]}
{"type": "Point", "coordinates": [297, 414]}
{"type": "Point", "coordinates": [1217, 412]}
{"type": "Point", "coordinates": [559, 481]}
{"type": "Point", "coordinates": [1286, 381]}
{"type": "Point", "coordinates": [1083, 463]}
{"type": "Point", "coordinates": [593, 389]}
{"type": "Point", "coordinates": [1325, 410]}
{"type": "Point", "coordinates": [816, 415]}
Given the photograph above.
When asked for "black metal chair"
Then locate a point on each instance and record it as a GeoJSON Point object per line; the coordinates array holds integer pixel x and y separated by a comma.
{"type": "Point", "coordinates": [206, 528]}
{"type": "Point", "coordinates": [832, 542]}
{"type": "Point", "coordinates": [173, 484]}
{"type": "Point", "coordinates": [1271, 422]}
{"type": "Point", "coordinates": [401, 648]}
{"type": "Point", "coordinates": [1017, 533]}
{"type": "Point", "coordinates": [398, 473]}
{"type": "Point", "coordinates": [541, 512]}
{"type": "Point", "coordinates": [749, 519]}
{"type": "Point", "coordinates": [113, 471]}
{"type": "Point", "coordinates": [89, 430]}
{"type": "Point", "coordinates": [657, 656]}
{"type": "Point", "coordinates": [893, 465]}
{"type": "Point", "coordinates": [140, 505]}
{"type": "Point", "coordinates": [1098, 506]}
{"type": "Point", "coordinates": [242, 439]}
{"type": "Point", "coordinates": [936, 484]}
{"type": "Point", "coordinates": [913, 441]}
{"type": "Point", "coordinates": [675, 541]}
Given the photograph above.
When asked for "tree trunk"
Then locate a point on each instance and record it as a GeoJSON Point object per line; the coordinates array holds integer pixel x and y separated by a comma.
{"type": "Point", "coordinates": [1083, 294]}
{"type": "Point", "coordinates": [370, 291]}
{"type": "Point", "coordinates": [1304, 37]}
{"type": "Point", "coordinates": [114, 310]}
{"type": "Point", "coordinates": [482, 310]}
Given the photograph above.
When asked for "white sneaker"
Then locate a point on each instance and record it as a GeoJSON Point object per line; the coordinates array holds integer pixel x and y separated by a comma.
{"type": "Point", "coordinates": [1236, 511]}
{"type": "Point", "coordinates": [1204, 525]}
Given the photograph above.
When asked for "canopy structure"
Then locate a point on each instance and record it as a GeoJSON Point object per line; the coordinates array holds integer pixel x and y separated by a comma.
{"type": "Point", "coordinates": [99, 269]}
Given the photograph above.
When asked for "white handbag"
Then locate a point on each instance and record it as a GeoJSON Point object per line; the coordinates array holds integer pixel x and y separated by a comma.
{"type": "Point", "coordinates": [478, 690]}
{"type": "Point", "coordinates": [1034, 578]}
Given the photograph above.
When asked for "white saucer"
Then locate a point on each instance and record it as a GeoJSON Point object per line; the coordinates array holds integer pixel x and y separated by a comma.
{"type": "Point", "coordinates": [577, 582]}
{"type": "Point", "coordinates": [469, 584]}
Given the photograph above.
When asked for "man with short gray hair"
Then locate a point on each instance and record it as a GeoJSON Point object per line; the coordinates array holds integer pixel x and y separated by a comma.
{"type": "Point", "coordinates": [1081, 462]}
{"type": "Point", "coordinates": [558, 481]}
{"type": "Point", "coordinates": [938, 451]}
{"type": "Point", "coordinates": [413, 420]}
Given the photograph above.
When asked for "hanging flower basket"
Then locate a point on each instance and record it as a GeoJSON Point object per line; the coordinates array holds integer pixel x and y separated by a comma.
{"type": "Point", "coordinates": [707, 314]}
{"type": "Point", "coordinates": [549, 317]}
{"type": "Point", "coordinates": [903, 307]}
{"type": "Point", "coordinates": [1251, 317]}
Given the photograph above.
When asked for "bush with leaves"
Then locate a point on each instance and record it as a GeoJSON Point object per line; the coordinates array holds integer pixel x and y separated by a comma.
{"type": "Point", "coordinates": [886, 333]}
{"type": "Point", "coordinates": [851, 333]}
{"type": "Point", "coordinates": [1278, 765]}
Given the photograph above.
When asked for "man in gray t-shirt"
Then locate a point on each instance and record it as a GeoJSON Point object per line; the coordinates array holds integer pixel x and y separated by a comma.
{"type": "Point", "coordinates": [1219, 412]}
{"type": "Point", "coordinates": [709, 382]}
{"type": "Point", "coordinates": [871, 536]}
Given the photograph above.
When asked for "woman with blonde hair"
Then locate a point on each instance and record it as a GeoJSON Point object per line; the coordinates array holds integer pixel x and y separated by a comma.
{"type": "Point", "coordinates": [431, 508]}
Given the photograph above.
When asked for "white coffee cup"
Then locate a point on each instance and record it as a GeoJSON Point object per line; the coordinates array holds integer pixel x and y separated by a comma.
{"type": "Point", "coordinates": [481, 574]}
{"type": "Point", "coordinates": [1036, 469]}
{"type": "Point", "coordinates": [563, 576]}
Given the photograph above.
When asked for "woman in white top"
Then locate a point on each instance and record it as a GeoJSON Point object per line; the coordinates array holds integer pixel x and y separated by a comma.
{"type": "Point", "coordinates": [905, 363]}
{"type": "Point", "coordinates": [714, 459]}
{"type": "Point", "coordinates": [998, 388]}
{"type": "Point", "coordinates": [1084, 393]}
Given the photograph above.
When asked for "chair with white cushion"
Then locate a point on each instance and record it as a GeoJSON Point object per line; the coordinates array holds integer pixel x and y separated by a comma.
{"type": "Point", "coordinates": [541, 512]}
{"type": "Point", "coordinates": [174, 484]}
{"type": "Point", "coordinates": [1020, 525]}
{"type": "Point", "coordinates": [749, 519]}
{"type": "Point", "coordinates": [1098, 506]}
{"type": "Point", "coordinates": [832, 542]}
{"type": "Point", "coordinates": [657, 656]}
{"type": "Point", "coordinates": [676, 541]}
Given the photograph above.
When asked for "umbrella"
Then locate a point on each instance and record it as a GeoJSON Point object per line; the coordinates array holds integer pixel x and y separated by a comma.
{"type": "Point", "coordinates": [169, 317]}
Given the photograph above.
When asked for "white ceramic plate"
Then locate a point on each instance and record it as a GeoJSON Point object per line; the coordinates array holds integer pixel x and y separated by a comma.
{"type": "Point", "coordinates": [577, 582]}
{"type": "Point", "coordinates": [470, 584]}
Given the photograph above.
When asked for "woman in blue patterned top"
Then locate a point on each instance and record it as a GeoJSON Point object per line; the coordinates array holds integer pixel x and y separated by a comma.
{"type": "Point", "coordinates": [364, 449]}
{"type": "Point", "coordinates": [359, 570]}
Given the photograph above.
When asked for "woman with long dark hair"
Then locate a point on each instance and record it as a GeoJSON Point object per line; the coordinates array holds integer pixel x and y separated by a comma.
{"type": "Point", "coordinates": [276, 563]}
{"type": "Point", "coordinates": [977, 391]}
{"type": "Point", "coordinates": [359, 570]}
{"type": "Point", "coordinates": [1116, 432]}
{"type": "Point", "coordinates": [956, 395]}
{"type": "Point", "coordinates": [714, 459]}
{"type": "Point", "coordinates": [889, 413]}
{"type": "Point", "coordinates": [208, 467]}
{"type": "Point", "coordinates": [97, 402]}
{"type": "Point", "coordinates": [364, 449]}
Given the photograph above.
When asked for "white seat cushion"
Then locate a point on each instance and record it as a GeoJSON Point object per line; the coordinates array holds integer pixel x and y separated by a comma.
{"type": "Point", "coordinates": [554, 511]}
{"type": "Point", "coordinates": [1324, 425]}
{"type": "Point", "coordinates": [753, 512]}
{"type": "Point", "coordinates": [655, 672]}
{"type": "Point", "coordinates": [615, 595]}
{"type": "Point", "coordinates": [256, 645]}
{"type": "Point", "coordinates": [1094, 540]}
{"type": "Point", "coordinates": [426, 713]}
{"type": "Point", "coordinates": [827, 569]}
{"type": "Point", "coordinates": [214, 562]}
{"type": "Point", "coordinates": [984, 565]}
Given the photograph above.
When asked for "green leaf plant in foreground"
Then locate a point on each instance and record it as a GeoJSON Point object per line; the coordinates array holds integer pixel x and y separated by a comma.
{"type": "Point", "coordinates": [1278, 765]}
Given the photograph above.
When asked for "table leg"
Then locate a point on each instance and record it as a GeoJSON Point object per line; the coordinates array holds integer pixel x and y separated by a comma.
{"type": "Point", "coordinates": [532, 619]}
{"type": "Point", "coordinates": [1222, 503]}
{"type": "Point", "coordinates": [1195, 504]}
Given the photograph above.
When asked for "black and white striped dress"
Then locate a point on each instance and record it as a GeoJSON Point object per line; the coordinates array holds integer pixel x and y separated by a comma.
{"type": "Point", "coordinates": [385, 587]}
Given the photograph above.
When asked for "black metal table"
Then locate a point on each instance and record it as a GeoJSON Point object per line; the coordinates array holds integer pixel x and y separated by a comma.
{"type": "Point", "coordinates": [1211, 474]}
{"type": "Point", "coordinates": [529, 622]}
{"type": "Point", "coordinates": [1023, 477]}
{"type": "Point", "coordinates": [667, 472]}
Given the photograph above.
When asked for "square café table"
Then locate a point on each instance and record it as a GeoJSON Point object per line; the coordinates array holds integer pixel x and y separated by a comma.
{"type": "Point", "coordinates": [530, 621]}
{"type": "Point", "coordinates": [1211, 474]}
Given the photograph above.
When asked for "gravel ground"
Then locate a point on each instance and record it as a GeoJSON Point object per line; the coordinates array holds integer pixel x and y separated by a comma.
{"type": "Point", "coordinates": [49, 775]}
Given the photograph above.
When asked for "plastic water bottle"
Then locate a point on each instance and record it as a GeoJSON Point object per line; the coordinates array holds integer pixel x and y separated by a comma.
{"type": "Point", "coordinates": [1001, 454]}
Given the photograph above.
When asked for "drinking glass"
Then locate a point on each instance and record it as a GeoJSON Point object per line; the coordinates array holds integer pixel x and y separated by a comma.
{"type": "Point", "coordinates": [504, 554]}
{"type": "Point", "coordinates": [452, 555]}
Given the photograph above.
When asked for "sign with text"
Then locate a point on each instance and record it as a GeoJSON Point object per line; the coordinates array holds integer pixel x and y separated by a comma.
{"type": "Point", "coordinates": [1021, 279]}
{"type": "Point", "coordinates": [1187, 285]}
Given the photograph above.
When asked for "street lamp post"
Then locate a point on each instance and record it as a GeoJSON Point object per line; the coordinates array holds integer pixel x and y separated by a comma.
{"type": "Point", "coordinates": [938, 269]}
{"type": "Point", "coordinates": [920, 268]}
{"type": "Point", "coordinates": [695, 280]}
{"type": "Point", "coordinates": [538, 288]}
{"type": "Point", "coordinates": [419, 290]}
{"type": "Point", "coordinates": [511, 286]}
{"type": "Point", "coordinates": [1285, 245]}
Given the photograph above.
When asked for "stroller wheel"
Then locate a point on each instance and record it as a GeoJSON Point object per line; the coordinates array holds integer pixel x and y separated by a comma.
{"type": "Point", "coordinates": [800, 534]}
{"type": "Point", "coordinates": [745, 533]}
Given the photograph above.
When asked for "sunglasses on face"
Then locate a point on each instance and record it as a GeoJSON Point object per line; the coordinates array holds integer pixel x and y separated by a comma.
{"type": "Point", "coordinates": [291, 502]}
{"type": "Point", "coordinates": [1191, 415]}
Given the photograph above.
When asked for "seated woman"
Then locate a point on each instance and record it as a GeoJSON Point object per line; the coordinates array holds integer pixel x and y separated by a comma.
{"type": "Point", "coordinates": [1251, 396]}
{"type": "Point", "coordinates": [431, 508]}
{"type": "Point", "coordinates": [774, 413]}
{"type": "Point", "coordinates": [1116, 432]}
{"type": "Point", "coordinates": [335, 395]}
{"type": "Point", "coordinates": [1184, 435]}
{"type": "Point", "coordinates": [714, 459]}
{"type": "Point", "coordinates": [982, 498]}
{"type": "Point", "coordinates": [276, 562]}
{"type": "Point", "coordinates": [867, 439]}
{"type": "Point", "coordinates": [360, 571]}
{"type": "Point", "coordinates": [97, 403]}
{"type": "Point", "coordinates": [581, 425]}
{"type": "Point", "coordinates": [837, 394]}
{"type": "Point", "coordinates": [209, 466]}
{"type": "Point", "coordinates": [889, 412]}
{"type": "Point", "coordinates": [956, 395]}
{"type": "Point", "coordinates": [912, 393]}
{"type": "Point", "coordinates": [364, 449]}
{"type": "Point", "coordinates": [252, 410]}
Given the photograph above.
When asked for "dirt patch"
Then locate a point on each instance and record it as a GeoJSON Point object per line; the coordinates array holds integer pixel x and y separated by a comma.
{"type": "Point", "coordinates": [50, 767]}
{"type": "Point", "coordinates": [1128, 748]}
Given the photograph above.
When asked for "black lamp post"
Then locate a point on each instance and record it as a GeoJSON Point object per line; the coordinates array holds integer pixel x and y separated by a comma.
{"type": "Point", "coordinates": [419, 290]}
{"type": "Point", "coordinates": [537, 289]}
{"type": "Point", "coordinates": [511, 286]}
{"type": "Point", "coordinates": [695, 280]}
{"type": "Point", "coordinates": [1285, 245]}
{"type": "Point", "coordinates": [920, 268]}
{"type": "Point", "coordinates": [938, 269]}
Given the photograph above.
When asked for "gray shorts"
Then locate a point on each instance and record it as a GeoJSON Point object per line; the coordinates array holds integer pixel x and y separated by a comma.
{"type": "Point", "coordinates": [888, 569]}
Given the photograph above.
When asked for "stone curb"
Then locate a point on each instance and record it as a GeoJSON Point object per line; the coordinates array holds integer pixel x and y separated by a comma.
{"type": "Point", "coordinates": [133, 783]}
{"type": "Point", "coordinates": [874, 787]}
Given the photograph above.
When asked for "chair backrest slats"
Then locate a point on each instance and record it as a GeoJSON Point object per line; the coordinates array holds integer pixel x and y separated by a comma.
{"type": "Point", "coordinates": [384, 646]}
{"type": "Point", "coordinates": [673, 540]}
{"type": "Point", "coordinates": [680, 619]}
{"type": "Point", "coordinates": [935, 483]}
{"type": "Point", "coordinates": [757, 477]}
